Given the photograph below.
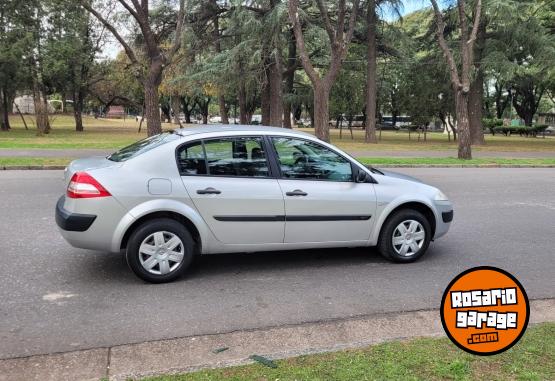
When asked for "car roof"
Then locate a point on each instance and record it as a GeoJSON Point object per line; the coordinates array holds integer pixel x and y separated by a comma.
{"type": "Point", "coordinates": [224, 128]}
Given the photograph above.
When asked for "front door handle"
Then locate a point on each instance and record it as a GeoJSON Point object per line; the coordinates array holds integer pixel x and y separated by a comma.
{"type": "Point", "coordinates": [209, 190]}
{"type": "Point", "coordinates": [297, 192]}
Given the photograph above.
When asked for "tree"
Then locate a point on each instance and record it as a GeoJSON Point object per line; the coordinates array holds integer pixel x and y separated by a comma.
{"type": "Point", "coordinates": [72, 43]}
{"type": "Point", "coordinates": [339, 40]}
{"type": "Point", "coordinates": [371, 72]}
{"type": "Point", "coordinates": [112, 85]}
{"type": "Point", "coordinates": [519, 56]}
{"type": "Point", "coordinates": [15, 42]}
{"type": "Point", "coordinates": [460, 79]}
{"type": "Point", "coordinates": [157, 56]}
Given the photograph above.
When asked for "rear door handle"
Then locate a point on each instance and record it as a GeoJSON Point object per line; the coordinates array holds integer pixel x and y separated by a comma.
{"type": "Point", "coordinates": [209, 190]}
{"type": "Point", "coordinates": [297, 192]}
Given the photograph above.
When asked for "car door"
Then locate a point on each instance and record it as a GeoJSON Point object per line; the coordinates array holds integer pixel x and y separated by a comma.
{"type": "Point", "coordinates": [230, 183]}
{"type": "Point", "coordinates": [323, 203]}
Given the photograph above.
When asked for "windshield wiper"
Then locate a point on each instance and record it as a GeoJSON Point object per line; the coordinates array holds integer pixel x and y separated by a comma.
{"type": "Point", "coordinates": [374, 170]}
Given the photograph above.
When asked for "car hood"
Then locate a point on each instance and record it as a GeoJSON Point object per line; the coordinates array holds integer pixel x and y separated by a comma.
{"type": "Point", "coordinates": [398, 175]}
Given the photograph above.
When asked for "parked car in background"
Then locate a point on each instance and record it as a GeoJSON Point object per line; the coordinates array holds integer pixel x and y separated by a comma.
{"type": "Point", "coordinates": [228, 189]}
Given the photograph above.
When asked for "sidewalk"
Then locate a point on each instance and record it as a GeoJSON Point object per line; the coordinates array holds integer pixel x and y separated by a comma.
{"type": "Point", "coordinates": [207, 351]}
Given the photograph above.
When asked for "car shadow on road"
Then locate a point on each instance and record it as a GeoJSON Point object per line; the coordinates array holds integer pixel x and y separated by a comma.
{"type": "Point", "coordinates": [221, 264]}
{"type": "Point", "coordinates": [113, 267]}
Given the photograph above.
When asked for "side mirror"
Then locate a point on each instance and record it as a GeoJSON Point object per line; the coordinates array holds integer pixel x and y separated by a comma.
{"type": "Point", "coordinates": [362, 177]}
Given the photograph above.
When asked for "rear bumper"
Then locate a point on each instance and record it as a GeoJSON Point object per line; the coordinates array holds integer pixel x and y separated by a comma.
{"type": "Point", "coordinates": [90, 223]}
{"type": "Point", "coordinates": [73, 222]}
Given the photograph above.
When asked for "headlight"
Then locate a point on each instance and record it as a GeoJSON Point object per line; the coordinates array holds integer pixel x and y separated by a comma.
{"type": "Point", "coordinates": [440, 196]}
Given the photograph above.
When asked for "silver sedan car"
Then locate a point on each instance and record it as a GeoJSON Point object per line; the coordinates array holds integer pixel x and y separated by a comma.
{"type": "Point", "coordinates": [227, 189]}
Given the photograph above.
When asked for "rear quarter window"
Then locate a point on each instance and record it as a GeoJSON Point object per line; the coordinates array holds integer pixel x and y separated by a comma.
{"type": "Point", "coordinates": [142, 146]}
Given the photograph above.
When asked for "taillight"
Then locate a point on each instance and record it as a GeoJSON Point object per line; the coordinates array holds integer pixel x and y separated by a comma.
{"type": "Point", "coordinates": [83, 185]}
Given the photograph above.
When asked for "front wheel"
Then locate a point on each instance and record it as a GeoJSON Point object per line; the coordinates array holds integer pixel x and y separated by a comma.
{"type": "Point", "coordinates": [405, 236]}
{"type": "Point", "coordinates": [160, 250]}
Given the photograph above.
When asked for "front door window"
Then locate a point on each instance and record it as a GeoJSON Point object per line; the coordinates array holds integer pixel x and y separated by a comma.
{"type": "Point", "coordinates": [305, 160]}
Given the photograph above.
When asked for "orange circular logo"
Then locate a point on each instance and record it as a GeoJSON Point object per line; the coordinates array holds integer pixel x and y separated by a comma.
{"type": "Point", "coordinates": [485, 310]}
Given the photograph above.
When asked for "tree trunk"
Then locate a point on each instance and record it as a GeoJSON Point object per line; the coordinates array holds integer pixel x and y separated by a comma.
{"type": "Point", "coordinates": [223, 110]}
{"type": "Point", "coordinates": [185, 103]}
{"type": "Point", "coordinates": [289, 79]}
{"type": "Point", "coordinates": [176, 110]}
{"type": "Point", "coordinates": [41, 115]}
{"type": "Point", "coordinates": [321, 110]}
{"type": "Point", "coordinates": [475, 103]}
{"type": "Point", "coordinates": [4, 110]}
{"type": "Point", "coordinates": [242, 99]}
{"type": "Point", "coordinates": [275, 99]}
{"type": "Point", "coordinates": [463, 125]}
{"type": "Point", "coordinates": [45, 116]}
{"type": "Point", "coordinates": [78, 110]}
{"type": "Point", "coordinates": [265, 101]}
{"type": "Point", "coordinates": [218, 47]}
{"type": "Point", "coordinates": [371, 88]}
{"type": "Point", "coordinates": [476, 96]}
{"type": "Point", "coordinates": [203, 105]}
{"type": "Point", "coordinates": [529, 119]}
{"type": "Point", "coordinates": [152, 101]}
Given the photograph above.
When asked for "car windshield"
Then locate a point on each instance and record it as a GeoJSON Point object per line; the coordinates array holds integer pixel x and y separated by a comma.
{"type": "Point", "coordinates": [142, 146]}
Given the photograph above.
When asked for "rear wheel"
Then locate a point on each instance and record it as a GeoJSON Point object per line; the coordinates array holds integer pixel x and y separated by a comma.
{"type": "Point", "coordinates": [405, 236]}
{"type": "Point", "coordinates": [160, 250]}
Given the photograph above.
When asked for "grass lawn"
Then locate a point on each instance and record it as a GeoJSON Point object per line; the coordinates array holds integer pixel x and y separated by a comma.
{"type": "Point", "coordinates": [99, 133]}
{"type": "Point", "coordinates": [533, 358]}
{"type": "Point", "coordinates": [374, 161]}
{"type": "Point", "coordinates": [112, 134]}
{"type": "Point", "coordinates": [26, 161]}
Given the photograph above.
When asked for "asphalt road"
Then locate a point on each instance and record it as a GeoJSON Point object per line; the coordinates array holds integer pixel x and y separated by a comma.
{"type": "Point", "coordinates": [56, 298]}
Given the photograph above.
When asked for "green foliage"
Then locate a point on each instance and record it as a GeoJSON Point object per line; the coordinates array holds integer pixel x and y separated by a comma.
{"type": "Point", "coordinates": [492, 124]}
{"type": "Point", "coordinates": [521, 130]}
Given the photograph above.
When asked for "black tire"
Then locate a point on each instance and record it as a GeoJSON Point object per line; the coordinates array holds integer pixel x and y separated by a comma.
{"type": "Point", "coordinates": [385, 242]}
{"type": "Point", "coordinates": [132, 254]}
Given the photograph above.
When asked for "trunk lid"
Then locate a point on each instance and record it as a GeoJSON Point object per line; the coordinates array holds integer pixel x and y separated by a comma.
{"type": "Point", "coordinates": [88, 164]}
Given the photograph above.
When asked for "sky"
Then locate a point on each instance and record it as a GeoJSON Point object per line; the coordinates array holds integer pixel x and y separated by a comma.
{"type": "Point", "coordinates": [408, 7]}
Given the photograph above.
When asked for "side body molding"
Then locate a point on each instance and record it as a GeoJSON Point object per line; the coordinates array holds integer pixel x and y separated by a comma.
{"type": "Point", "coordinates": [161, 205]}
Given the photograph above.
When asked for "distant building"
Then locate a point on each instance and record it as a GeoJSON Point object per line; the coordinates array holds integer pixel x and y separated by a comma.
{"type": "Point", "coordinates": [26, 105]}
{"type": "Point", "coordinates": [547, 118]}
{"type": "Point", "coordinates": [116, 112]}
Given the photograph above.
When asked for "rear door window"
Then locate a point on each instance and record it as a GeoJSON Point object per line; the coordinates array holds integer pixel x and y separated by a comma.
{"type": "Point", "coordinates": [142, 146]}
{"type": "Point", "coordinates": [231, 157]}
{"type": "Point", "coordinates": [191, 159]}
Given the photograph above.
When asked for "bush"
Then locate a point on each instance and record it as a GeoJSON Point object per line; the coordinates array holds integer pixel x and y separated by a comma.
{"type": "Point", "coordinates": [521, 130]}
{"type": "Point", "coordinates": [491, 124]}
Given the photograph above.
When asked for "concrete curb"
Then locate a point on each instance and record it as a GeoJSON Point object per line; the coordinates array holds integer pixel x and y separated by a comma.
{"type": "Point", "coordinates": [198, 352]}
{"type": "Point", "coordinates": [61, 167]}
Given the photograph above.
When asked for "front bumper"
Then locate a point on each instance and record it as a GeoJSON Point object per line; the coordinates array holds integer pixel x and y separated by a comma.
{"type": "Point", "coordinates": [444, 217]}
{"type": "Point", "coordinates": [73, 222]}
{"type": "Point", "coordinates": [447, 216]}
